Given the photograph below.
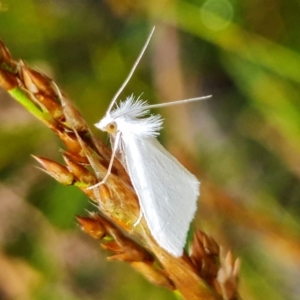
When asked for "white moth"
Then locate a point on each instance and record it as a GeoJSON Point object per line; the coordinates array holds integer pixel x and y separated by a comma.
{"type": "Point", "coordinates": [167, 192]}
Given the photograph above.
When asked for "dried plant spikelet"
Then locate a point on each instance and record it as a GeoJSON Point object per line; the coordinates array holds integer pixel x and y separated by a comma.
{"type": "Point", "coordinates": [106, 153]}
{"type": "Point", "coordinates": [210, 245]}
{"type": "Point", "coordinates": [236, 268]}
{"type": "Point", "coordinates": [125, 213]}
{"type": "Point", "coordinates": [92, 227]}
{"type": "Point", "coordinates": [197, 251]}
{"type": "Point", "coordinates": [227, 277]}
{"type": "Point", "coordinates": [56, 170]}
{"type": "Point", "coordinates": [27, 80]}
{"type": "Point", "coordinates": [4, 53]}
{"type": "Point", "coordinates": [6, 61]}
{"type": "Point", "coordinates": [14, 86]}
{"type": "Point", "coordinates": [37, 82]}
{"type": "Point", "coordinates": [110, 196]}
{"type": "Point", "coordinates": [80, 172]}
{"type": "Point", "coordinates": [146, 268]}
{"type": "Point", "coordinates": [82, 160]}
{"type": "Point", "coordinates": [155, 276]}
{"type": "Point", "coordinates": [125, 249]}
{"type": "Point", "coordinates": [73, 116]}
{"type": "Point", "coordinates": [103, 150]}
{"type": "Point", "coordinates": [128, 251]}
{"type": "Point", "coordinates": [118, 190]}
{"type": "Point", "coordinates": [70, 140]}
{"type": "Point", "coordinates": [218, 269]}
{"type": "Point", "coordinates": [91, 156]}
{"type": "Point", "coordinates": [116, 234]}
{"type": "Point", "coordinates": [51, 106]}
{"type": "Point", "coordinates": [204, 255]}
{"type": "Point", "coordinates": [183, 274]}
{"type": "Point", "coordinates": [79, 125]}
{"type": "Point", "coordinates": [41, 87]}
{"type": "Point", "coordinates": [7, 80]}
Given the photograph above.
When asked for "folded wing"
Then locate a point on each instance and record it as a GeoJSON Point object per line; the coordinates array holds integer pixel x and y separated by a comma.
{"type": "Point", "coordinates": [167, 191]}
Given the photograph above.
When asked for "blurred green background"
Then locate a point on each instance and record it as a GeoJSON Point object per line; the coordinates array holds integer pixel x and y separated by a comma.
{"type": "Point", "coordinates": [243, 144]}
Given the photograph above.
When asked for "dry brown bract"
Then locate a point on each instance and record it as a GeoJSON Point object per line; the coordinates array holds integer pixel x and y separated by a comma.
{"type": "Point", "coordinates": [204, 274]}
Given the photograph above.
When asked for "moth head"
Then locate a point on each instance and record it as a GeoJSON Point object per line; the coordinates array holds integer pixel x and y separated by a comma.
{"type": "Point", "coordinates": [107, 124]}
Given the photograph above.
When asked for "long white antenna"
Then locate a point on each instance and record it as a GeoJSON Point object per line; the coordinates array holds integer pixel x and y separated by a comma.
{"type": "Point", "coordinates": [131, 72]}
{"type": "Point", "coordinates": [177, 102]}
{"type": "Point", "coordinates": [171, 103]}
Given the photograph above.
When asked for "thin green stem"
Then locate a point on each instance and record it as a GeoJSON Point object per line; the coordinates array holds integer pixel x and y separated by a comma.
{"type": "Point", "coordinates": [22, 97]}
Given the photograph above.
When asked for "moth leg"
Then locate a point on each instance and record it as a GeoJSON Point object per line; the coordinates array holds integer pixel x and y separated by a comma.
{"type": "Point", "coordinates": [139, 219]}
{"type": "Point", "coordinates": [116, 145]}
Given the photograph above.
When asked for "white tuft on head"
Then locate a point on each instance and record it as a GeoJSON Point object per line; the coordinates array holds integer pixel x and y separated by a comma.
{"type": "Point", "coordinates": [107, 119]}
{"type": "Point", "coordinates": [130, 108]}
{"type": "Point", "coordinates": [129, 117]}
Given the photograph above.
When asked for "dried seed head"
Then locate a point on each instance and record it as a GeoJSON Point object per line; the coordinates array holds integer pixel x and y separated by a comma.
{"type": "Point", "coordinates": [197, 276]}
{"type": "Point", "coordinates": [56, 170]}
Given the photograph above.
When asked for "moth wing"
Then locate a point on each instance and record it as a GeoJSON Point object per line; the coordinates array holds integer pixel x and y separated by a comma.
{"type": "Point", "coordinates": [166, 190]}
